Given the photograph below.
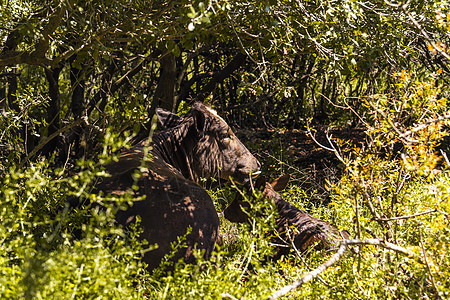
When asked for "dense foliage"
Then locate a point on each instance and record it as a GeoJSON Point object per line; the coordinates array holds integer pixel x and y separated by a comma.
{"type": "Point", "coordinates": [79, 80]}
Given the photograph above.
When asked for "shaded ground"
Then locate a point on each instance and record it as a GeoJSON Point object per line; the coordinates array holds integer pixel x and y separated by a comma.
{"type": "Point", "coordinates": [296, 153]}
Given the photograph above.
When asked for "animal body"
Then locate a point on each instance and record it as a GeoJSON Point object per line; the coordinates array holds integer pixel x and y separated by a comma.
{"type": "Point", "coordinates": [198, 145]}
{"type": "Point", "coordinates": [309, 231]}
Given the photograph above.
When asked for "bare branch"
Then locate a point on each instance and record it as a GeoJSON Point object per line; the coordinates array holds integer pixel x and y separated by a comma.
{"type": "Point", "coordinates": [218, 77]}
{"type": "Point", "coordinates": [332, 149]}
{"type": "Point", "coordinates": [425, 125]}
{"type": "Point", "coordinates": [337, 256]}
{"type": "Point", "coordinates": [226, 295]}
{"type": "Point", "coordinates": [445, 157]}
{"type": "Point", "coordinates": [408, 217]}
{"type": "Point", "coordinates": [425, 34]}
{"type": "Point", "coordinates": [51, 137]}
{"type": "Point", "coordinates": [319, 144]}
{"type": "Point", "coordinates": [299, 255]}
{"type": "Point", "coordinates": [433, 282]}
{"type": "Point", "coordinates": [312, 274]}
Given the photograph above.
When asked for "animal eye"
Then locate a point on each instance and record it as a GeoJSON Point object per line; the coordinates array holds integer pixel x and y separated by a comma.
{"type": "Point", "coordinates": [225, 136]}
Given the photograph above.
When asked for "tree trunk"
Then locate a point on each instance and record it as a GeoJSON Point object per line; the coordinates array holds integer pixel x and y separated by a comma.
{"type": "Point", "coordinates": [78, 86]}
{"type": "Point", "coordinates": [164, 96]}
{"type": "Point", "coordinates": [232, 66]}
{"type": "Point", "coordinates": [12, 91]}
{"type": "Point", "coordinates": [165, 91]}
{"type": "Point", "coordinates": [77, 102]}
{"type": "Point", "coordinates": [53, 108]}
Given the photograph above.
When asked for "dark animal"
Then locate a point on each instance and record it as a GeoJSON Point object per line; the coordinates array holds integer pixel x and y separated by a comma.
{"type": "Point", "coordinates": [199, 145]}
{"type": "Point", "coordinates": [308, 231]}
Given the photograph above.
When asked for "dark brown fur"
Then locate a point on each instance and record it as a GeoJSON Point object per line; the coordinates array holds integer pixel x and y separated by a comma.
{"type": "Point", "coordinates": [309, 231]}
{"type": "Point", "coordinates": [199, 145]}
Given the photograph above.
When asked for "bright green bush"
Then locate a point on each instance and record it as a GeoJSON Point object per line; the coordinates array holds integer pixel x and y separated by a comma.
{"type": "Point", "coordinates": [50, 250]}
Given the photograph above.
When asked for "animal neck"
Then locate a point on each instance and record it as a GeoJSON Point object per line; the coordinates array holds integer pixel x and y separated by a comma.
{"type": "Point", "coordinates": [287, 212]}
{"type": "Point", "coordinates": [174, 146]}
{"type": "Point", "coordinates": [276, 198]}
{"type": "Point", "coordinates": [281, 205]}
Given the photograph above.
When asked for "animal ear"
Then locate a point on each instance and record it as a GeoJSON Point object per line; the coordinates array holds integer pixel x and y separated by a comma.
{"type": "Point", "coordinates": [280, 183]}
{"type": "Point", "coordinates": [260, 182]}
{"type": "Point", "coordinates": [168, 119]}
{"type": "Point", "coordinates": [199, 121]}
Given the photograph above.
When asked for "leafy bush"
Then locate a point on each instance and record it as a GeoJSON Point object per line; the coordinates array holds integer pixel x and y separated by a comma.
{"type": "Point", "coordinates": [52, 250]}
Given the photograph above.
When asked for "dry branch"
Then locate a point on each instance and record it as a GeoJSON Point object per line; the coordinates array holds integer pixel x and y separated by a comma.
{"type": "Point", "coordinates": [312, 274]}
{"type": "Point", "coordinates": [51, 137]}
{"type": "Point", "coordinates": [337, 256]}
{"type": "Point", "coordinates": [409, 216]}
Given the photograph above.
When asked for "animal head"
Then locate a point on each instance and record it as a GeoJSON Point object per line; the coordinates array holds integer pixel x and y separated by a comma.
{"type": "Point", "coordinates": [235, 212]}
{"type": "Point", "coordinates": [213, 149]}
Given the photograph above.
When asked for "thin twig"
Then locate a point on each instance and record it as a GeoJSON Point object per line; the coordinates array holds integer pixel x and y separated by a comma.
{"type": "Point", "coordinates": [408, 217]}
{"type": "Point", "coordinates": [226, 295]}
{"type": "Point", "coordinates": [335, 258]}
{"type": "Point", "coordinates": [376, 215]}
{"type": "Point", "coordinates": [428, 265]}
{"type": "Point", "coordinates": [51, 137]}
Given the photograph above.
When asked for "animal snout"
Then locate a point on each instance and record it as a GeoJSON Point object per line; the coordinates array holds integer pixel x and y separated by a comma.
{"type": "Point", "coordinates": [249, 167]}
{"type": "Point", "coordinates": [246, 169]}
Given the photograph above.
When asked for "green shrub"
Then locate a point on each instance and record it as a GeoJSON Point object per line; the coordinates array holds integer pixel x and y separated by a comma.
{"type": "Point", "coordinates": [52, 250]}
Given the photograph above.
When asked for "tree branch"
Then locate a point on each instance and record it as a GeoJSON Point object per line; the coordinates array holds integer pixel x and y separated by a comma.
{"type": "Point", "coordinates": [51, 137]}
{"type": "Point", "coordinates": [233, 65]}
{"type": "Point", "coordinates": [312, 274]}
{"type": "Point", "coordinates": [10, 56]}
{"type": "Point", "coordinates": [408, 217]}
{"type": "Point", "coordinates": [337, 256]}
{"type": "Point", "coordinates": [118, 83]}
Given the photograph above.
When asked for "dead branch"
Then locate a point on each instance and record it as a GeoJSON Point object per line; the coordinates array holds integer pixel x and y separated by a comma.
{"type": "Point", "coordinates": [333, 149]}
{"type": "Point", "coordinates": [299, 255]}
{"type": "Point", "coordinates": [424, 125]}
{"type": "Point", "coordinates": [312, 274]}
{"type": "Point", "coordinates": [337, 256]}
{"type": "Point", "coordinates": [51, 137]}
{"type": "Point", "coordinates": [409, 216]}
{"type": "Point", "coordinates": [226, 295]}
{"type": "Point", "coordinates": [424, 253]}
